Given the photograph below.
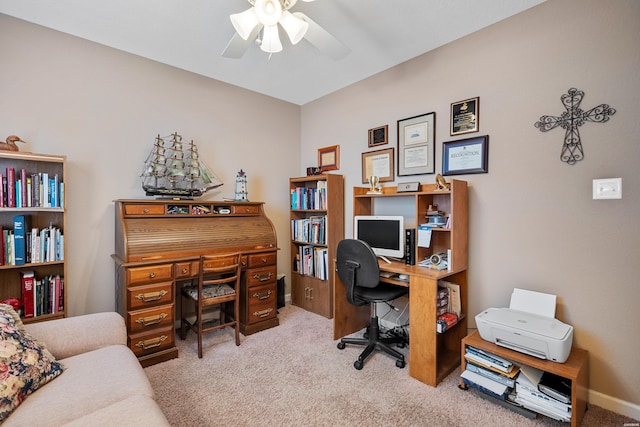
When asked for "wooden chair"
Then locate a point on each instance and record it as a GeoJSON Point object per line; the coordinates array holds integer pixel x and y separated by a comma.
{"type": "Point", "coordinates": [218, 287]}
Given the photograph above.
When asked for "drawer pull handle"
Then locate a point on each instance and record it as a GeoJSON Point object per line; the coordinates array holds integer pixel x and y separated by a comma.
{"type": "Point", "coordinates": [263, 313]}
{"type": "Point", "coordinates": [151, 296]}
{"type": "Point", "coordinates": [145, 210]}
{"type": "Point", "coordinates": [152, 275]}
{"type": "Point", "coordinates": [184, 271]}
{"type": "Point", "coordinates": [264, 260]}
{"type": "Point", "coordinates": [262, 295]}
{"type": "Point", "coordinates": [263, 277]}
{"type": "Point", "coordinates": [151, 343]}
{"type": "Point", "coordinates": [151, 320]}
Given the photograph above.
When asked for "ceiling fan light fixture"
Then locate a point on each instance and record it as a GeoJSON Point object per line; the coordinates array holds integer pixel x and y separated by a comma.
{"type": "Point", "coordinates": [268, 11]}
{"type": "Point", "coordinates": [296, 28]}
{"type": "Point", "coordinates": [245, 22]}
{"type": "Point", "coordinates": [271, 39]}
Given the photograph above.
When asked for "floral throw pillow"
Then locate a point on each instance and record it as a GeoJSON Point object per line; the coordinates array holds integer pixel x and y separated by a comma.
{"type": "Point", "coordinates": [25, 364]}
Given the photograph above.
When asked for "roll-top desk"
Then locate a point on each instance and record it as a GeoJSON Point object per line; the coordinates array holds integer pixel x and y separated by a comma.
{"type": "Point", "coordinates": [157, 247]}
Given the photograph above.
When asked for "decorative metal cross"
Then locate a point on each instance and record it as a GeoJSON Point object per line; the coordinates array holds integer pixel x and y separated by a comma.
{"type": "Point", "coordinates": [570, 120]}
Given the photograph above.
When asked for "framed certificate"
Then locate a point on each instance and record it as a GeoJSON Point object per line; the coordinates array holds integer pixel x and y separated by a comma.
{"type": "Point", "coordinates": [466, 156]}
{"type": "Point", "coordinates": [378, 163]}
{"type": "Point", "coordinates": [416, 144]}
{"type": "Point", "coordinates": [465, 116]}
{"type": "Point", "coordinates": [329, 158]}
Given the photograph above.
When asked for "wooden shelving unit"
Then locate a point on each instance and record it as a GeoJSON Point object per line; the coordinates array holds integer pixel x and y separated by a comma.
{"type": "Point", "coordinates": [432, 355]}
{"type": "Point", "coordinates": [576, 369]}
{"type": "Point", "coordinates": [39, 217]}
{"type": "Point", "coordinates": [307, 291]}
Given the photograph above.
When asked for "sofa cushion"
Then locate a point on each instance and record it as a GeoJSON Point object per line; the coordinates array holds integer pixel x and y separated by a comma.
{"type": "Point", "coordinates": [135, 411]}
{"type": "Point", "coordinates": [25, 364]}
{"type": "Point", "coordinates": [91, 381]}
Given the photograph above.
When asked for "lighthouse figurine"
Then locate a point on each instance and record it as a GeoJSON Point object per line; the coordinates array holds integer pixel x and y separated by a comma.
{"type": "Point", "coordinates": [241, 187]}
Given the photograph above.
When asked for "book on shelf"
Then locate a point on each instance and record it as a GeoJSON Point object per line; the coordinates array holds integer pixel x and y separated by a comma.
{"type": "Point", "coordinates": [491, 361]}
{"type": "Point", "coordinates": [484, 384]}
{"type": "Point", "coordinates": [28, 293]}
{"type": "Point", "coordinates": [556, 387]}
{"type": "Point", "coordinates": [20, 227]}
{"type": "Point", "coordinates": [11, 187]}
{"type": "Point", "coordinates": [455, 304]}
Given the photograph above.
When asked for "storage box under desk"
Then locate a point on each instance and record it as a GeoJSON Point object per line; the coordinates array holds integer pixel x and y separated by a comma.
{"type": "Point", "coordinates": [576, 368]}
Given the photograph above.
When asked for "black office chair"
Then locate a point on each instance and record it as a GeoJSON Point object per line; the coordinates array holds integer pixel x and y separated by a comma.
{"type": "Point", "coordinates": [357, 267]}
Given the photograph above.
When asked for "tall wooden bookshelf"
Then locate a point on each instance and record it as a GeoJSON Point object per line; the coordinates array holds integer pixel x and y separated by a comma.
{"type": "Point", "coordinates": [317, 225]}
{"type": "Point", "coordinates": [41, 215]}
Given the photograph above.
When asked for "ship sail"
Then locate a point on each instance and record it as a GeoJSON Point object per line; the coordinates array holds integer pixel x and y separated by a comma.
{"type": "Point", "coordinates": [173, 170]}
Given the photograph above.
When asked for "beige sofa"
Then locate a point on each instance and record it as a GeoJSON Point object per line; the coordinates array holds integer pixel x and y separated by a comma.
{"type": "Point", "coordinates": [103, 383]}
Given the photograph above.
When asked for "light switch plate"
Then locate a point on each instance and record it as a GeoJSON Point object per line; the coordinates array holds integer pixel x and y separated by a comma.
{"type": "Point", "coordinates": [608, 188]}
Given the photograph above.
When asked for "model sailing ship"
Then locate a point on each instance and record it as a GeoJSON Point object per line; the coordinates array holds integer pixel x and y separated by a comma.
{"type": "Point", "coordinates": [173, 171]}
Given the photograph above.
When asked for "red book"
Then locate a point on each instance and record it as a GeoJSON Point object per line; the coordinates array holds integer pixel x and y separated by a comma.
{"type": "Point", "coordinates": [60, 293]}
{"type": "Point", "coordinates": [28, 293]}
{"type": "Point", "coordinates": [11, 187]}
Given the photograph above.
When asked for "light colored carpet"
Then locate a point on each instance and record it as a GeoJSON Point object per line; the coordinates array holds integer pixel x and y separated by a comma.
{"type": "Point", "coordinates": [293, 375]}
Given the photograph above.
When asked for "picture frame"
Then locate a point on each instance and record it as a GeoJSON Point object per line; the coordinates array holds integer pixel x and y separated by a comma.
{"type": "Point", "coordinates": [329, 158]}
{"type": "Point", "coordinates": [380, 163]}
{"type": "Point", "coordinates": [379, 136]}
{"type": "Point", "coordinates": [417, 145]}
{"type": "Point", "coordinates": [466, 156]}
{"type": "Point", "coordinates": [465, 116]}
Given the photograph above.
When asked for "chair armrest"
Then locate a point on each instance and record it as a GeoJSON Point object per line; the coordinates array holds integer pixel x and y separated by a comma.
{"type": "Point", "coordinates": [75, 335]}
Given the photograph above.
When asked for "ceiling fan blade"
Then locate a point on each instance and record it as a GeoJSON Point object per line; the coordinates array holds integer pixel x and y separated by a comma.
{"type": "Point", "coordinates": [237, 46]}
{"type": "Point", "coordinates": [321, 39]}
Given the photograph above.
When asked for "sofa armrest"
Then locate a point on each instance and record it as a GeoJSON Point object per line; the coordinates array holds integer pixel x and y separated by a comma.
{"type": "Point", "coordinates": [74, 335]}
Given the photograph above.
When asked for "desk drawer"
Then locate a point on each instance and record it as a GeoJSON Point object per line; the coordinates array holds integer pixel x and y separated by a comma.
{"type": "Point", "coordinates": [185, 270]}
{"type": "Point", "coordinates": [259, 260]}
{"type": "Point", "coordinates": [261, 276]}
{"type": "Point", "coordinates": [150, 342]}
{"type": "Point", "coordinates": [259, 311]}
{"type": "Point", "coordinates": [152, 295]}
{"type": "Point", "coordinates": [145, 320]}
{"type": "Point", "coordinates": [151, 273]}
{"type": "Point", "coordinates": [246, 210]}
{"type": "Point", "coordinates": [144, 209]}
{"type": "Point", "coordinates": [258, 295]}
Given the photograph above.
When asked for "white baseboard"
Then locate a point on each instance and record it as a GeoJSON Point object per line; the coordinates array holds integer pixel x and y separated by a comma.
{"type": "Point", "coordinates": [614, 404]}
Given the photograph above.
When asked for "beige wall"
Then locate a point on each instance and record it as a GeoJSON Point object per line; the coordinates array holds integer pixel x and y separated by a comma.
{"type": "Point", "coordinates": [103, 108]}
{"type": "Point", "coordinates": [533, 223]}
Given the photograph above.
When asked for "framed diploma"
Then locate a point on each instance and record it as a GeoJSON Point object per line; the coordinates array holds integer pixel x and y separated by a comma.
{"type": "Point", "coordinates": [465, 116]}
{"type": "Point", "coordinates": [378, 163]}
{"type": "Point", "coordinates": [466, 156]}
{"type": "Point", "coordinates": [329, 158]}
{"type": "Point", "coordinates": [416, 145]}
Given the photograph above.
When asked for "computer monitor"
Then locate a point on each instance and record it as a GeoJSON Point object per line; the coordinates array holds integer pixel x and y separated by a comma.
{"type": "Point", "coordinates": [385, 234]}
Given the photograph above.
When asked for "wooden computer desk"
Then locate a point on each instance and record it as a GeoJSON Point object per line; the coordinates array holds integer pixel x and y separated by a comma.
{"type": "Point", "coordinates": [432, 356]}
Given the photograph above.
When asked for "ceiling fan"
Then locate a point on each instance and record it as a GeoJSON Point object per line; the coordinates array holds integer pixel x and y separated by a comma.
{"type": "Point", "coordinates": [259, 24]}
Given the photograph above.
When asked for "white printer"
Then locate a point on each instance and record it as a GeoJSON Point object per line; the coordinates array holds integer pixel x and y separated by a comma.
{"type": "Point", "coordinates": [532, 333]}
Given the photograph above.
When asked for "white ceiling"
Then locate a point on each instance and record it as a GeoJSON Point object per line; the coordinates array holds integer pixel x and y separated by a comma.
{"type": "Point", "coordinates": [191, 35]}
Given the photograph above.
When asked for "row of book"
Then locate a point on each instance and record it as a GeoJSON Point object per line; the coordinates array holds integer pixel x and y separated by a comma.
{"type": "Point", "coordinates": [310, 198]}
{"type": "Point", "coordinates": [26, 245]}
{"type": "Point", "coordinates": [21, 189]}
{"type": "Point", "coordinates": [311, 230]}
{"type": "Point", "coordinates": [448, 305]}
{"type": "Point", "coordinates": [522, 386]}
{"type": "Point", "coordinates": [312, 261]}
{"type": "Point", "coordinates": [44, 295]}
